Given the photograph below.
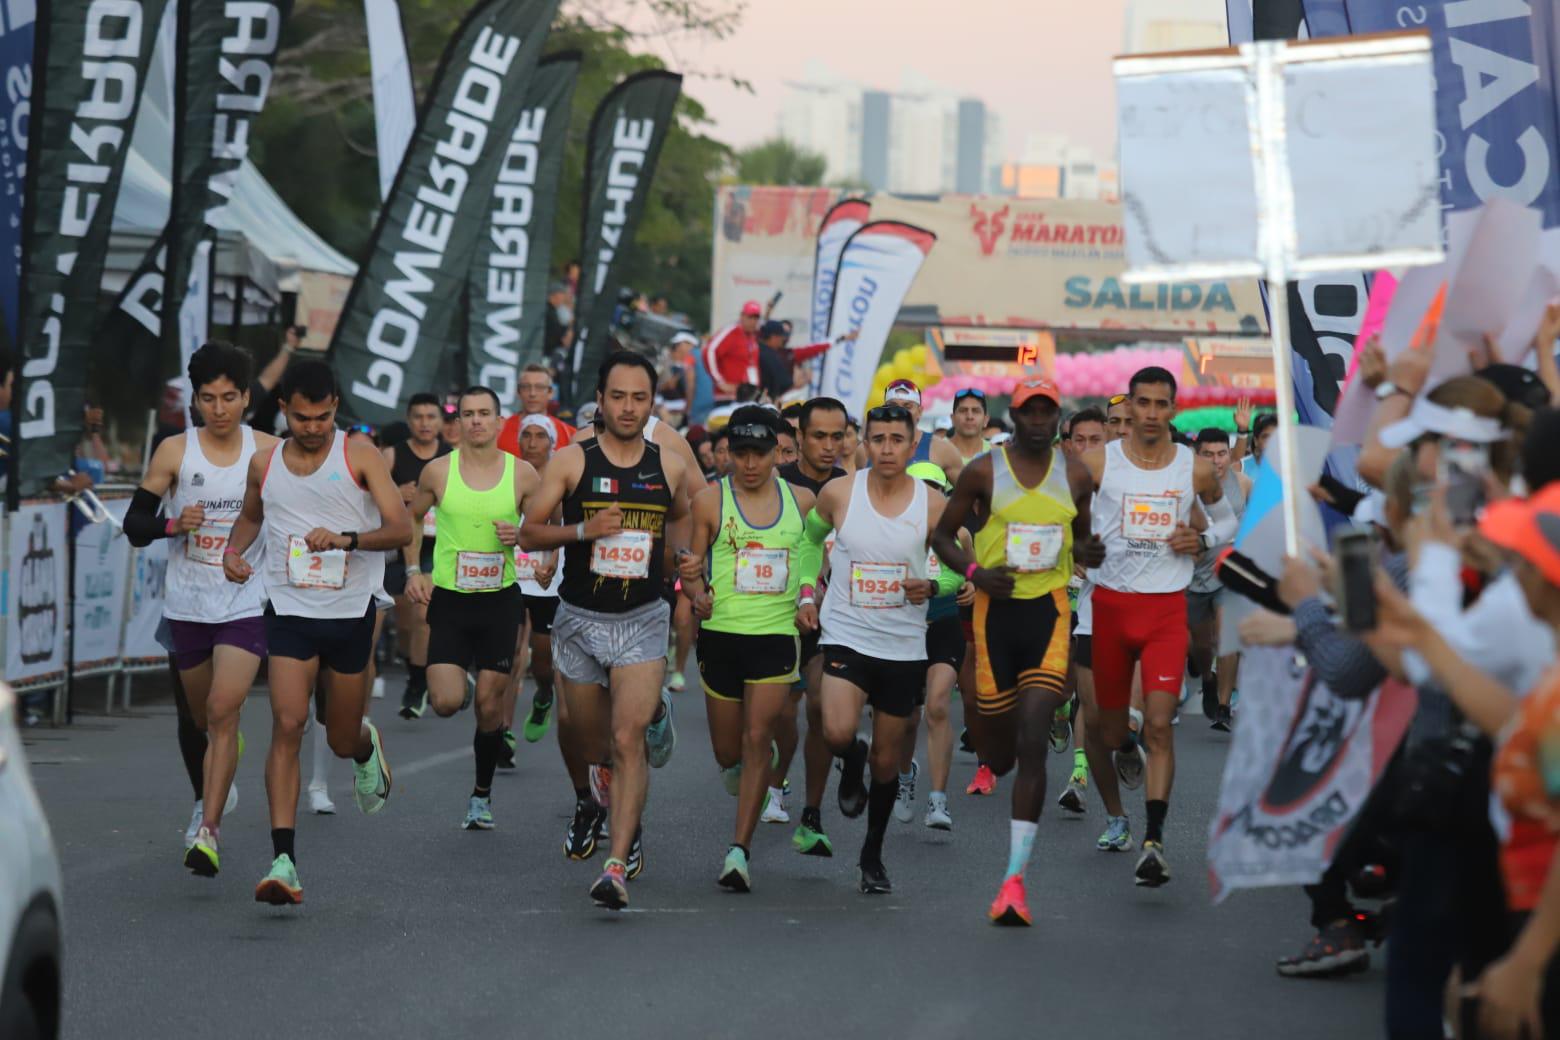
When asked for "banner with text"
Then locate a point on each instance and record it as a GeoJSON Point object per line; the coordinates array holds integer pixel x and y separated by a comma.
{"type": "Point", "coordinates": [395, 95]}
{"type": "Point", "coordinates": [404, 307]}
{"type": "Point", "coordinates": [876, 269]}
{"type": "Point", "coordinates": [148, 582]}
{"type": "Point", "coordinates": [16, 76]}
{"type": "Point", "coordinates": [506, 287]}
{"type": "Point", "coordinates": [843, 220]}
{"type": "Point", "coordinates": [92, 60]}
{"type": "Point", "coordinates": [98, 606]}
{"type": "Point", "coordinates": [35, 593]}
{"type": "Point", "coordinates": [766, 242]}
{"type": "Point", "coordinates": [624, 144]}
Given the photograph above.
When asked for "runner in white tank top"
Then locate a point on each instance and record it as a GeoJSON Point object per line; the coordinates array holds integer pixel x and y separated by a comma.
{"type": "Point", "coordinates": [217, 633]}
{"type": "Point", "coordinates": [873, 618]}
{"type": "Point", "coordinates": [330, 511]}
{"type": "Point", "coordinates": [1144, 511]}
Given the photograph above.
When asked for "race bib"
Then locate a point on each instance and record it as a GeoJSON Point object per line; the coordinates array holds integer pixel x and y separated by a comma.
{"type": "Point", "coordinates": [1148, 518]}
{"type": "Point", "coordinates": [763, 570]}
{"type": "Point", "coordinates": [1034, 547]}
{"type": "Point", "coordinates": [933, 566]}
{"type": "Point", "coordinates": [877, 586]}
{"type": "Point", "coordinates": [430, 524]}
{"type": "Point", "coordinates": [622, 555]}
{"type": "Point", "coordinates": [307, 569]}
{"type": "Point", "coordinates": [479, 571]}
{"type": "Point", "coordinates": [525, 566]}
{"type": "Point", "coordinates": [206, 543]}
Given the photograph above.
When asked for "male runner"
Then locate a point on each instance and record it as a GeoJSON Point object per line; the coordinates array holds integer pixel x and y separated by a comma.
{"type": "Point", "coordinates": [407, 459]}
{"type": "Point", "coordinates": [535, 572]}
{"type": "Point", "coordinates": [925, 448]}
{"type": "Point", "coordinates": [218, 630]}
{"type": "Point", "coordinates": [618, 491]}
{"type": "Point", "coordinates": [1204, 594]}
{"type": "Point", "coordinates": [1086, 433]}
{"type": "Point", "coordinates": [823, 423]}
{"type": "Point", "coordinates": [1036, 502]}
{"type": "Point", "coordinates": [1146, 492]}
{"type": "Point", "coordinates": [969, 424]}
{"type": "Point", "coordinates": [873, 621]}
{"type": "Point", "coordinates": [330, 511]}
{"type": "Point", "coordinates": [750, 524]}
{"type": "Point", "coordinates": [474, 606]}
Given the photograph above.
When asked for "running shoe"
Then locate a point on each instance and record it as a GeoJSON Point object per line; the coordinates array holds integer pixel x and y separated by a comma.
{"type": "Point", "coordinates": [414, 702]}
{"type": "Point", "coordinates": [734, 872]}
{"type": "Point", "coordinates": [937, 817]}
{"type": "Point", "coordinates": [506, 750]}
{"type": "Point", "coordinates": [774, 807]}
{"type": "Point", "coordinates": [984, 783]}
{"type": "Point", "coordinates": [1210, 697]}
{"type": "Point", "coordinates": [904, 801]}
{"type": "Point", "coordinates": [1061, 730]}
{"type": "Point", "coordinates": [372, 789]}
{"type": "Point", "coordinates": [1152, 868]}
{"type": "Point", "coordinates": [579, 842]}
{"type": "Point", "coordinates": [601, 785]}
{"type": "Point", "coordinates": [675, 682]}
{"type": "Point", "coordinates": [1117, 836]}
{"type": "Point", "coordinates": [1222, 719]}
{"type": "Point", "coordinates": [636, 855]}
{"type": "Point", "coordinates": [1010, 907]}
{"type": "Point", "coordinates": [661, 736]}
{"type": "Point", "coordinates": [611, 889]}
{"type": "Point", "coordinates": [281, 886]}
{"type": "Point", "coordinates": [874, 880]}
{"type": "Point", "coordinates": [319, 801]}
{"type": "Point", "coordinates": [378, 690]}
{"type": "Point", "coordinates": [811, 842]}
{"type": "Point", "coordinates": [1075, 798]}
{"type": "Point", "coordinates": [731, 779]}
{"type": "Point", "coordinates": [1131, 763]}
{"type": "Point", "coordinates": [479, 814]}
{"type": "Point", "coordinates": [853, 780]}
{"type": "Point", "coordinates": [201, 857]}
{"type": "Point", "coordinates": [537, 722]}
{"type": "Point", "coordinates": [1338, 949]}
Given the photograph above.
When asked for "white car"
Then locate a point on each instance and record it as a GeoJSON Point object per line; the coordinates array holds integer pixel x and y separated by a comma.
{"type": "Point", "coordinates": [30, 904]}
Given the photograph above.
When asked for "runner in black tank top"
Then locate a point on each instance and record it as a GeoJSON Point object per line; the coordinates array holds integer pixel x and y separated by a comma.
{"type": "Point", "coordinates": [641, 491]}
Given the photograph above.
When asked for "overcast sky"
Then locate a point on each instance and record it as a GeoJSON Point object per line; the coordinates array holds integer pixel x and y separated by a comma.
{"type": "Point", "coordinates": [1043, 65]}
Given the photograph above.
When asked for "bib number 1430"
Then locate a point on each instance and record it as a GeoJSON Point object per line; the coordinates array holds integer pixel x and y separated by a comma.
{"type": "Point", "coordinates": [622, 555]}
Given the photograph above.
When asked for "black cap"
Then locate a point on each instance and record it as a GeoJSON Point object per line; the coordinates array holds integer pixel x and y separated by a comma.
{"type": "Point", "coordinates": [773, 328]}
{"type": "Point", "coordinates": [1520, 385]}
{"type": "Point", "coordinates": [753, 425]}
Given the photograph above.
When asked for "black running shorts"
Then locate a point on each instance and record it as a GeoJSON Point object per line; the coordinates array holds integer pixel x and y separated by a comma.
{"type": "Point", "coordinates": [475, 631]}
{"type": "Point", "coordinates": [945, 643]}
{"type": "Point", "coordinates": [729, 663]}
{"type": "Point", "coordinates": [341, 644]}
{"type": "Point", "coordinates": [540, 609]}
{"type": "Point", "coordinates": [893, 687]}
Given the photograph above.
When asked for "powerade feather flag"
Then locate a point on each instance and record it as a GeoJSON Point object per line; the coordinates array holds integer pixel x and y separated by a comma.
{"type": "Point", "coordinates": [844, 219]}
{"type": "Point", "coordinates": [90, 63]}
{"type": "Point", "coordinates": [403, 312]}
{"type": "Point", "coordinates": [16, 78]}
{"type": "Point", "coordinates": [626, 134]}
{"type": "Point", "coordinates": [395, 97]}
{"type": "Point", "coordinates": [506, 288]}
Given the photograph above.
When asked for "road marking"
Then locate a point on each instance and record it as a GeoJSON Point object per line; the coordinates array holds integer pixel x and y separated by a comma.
{"type": "Point", "coordinates": [422, 765]}
{"type": "Point", "coordinates": [541, 911]}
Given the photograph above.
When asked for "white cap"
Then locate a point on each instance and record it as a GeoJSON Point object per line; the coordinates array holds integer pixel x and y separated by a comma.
{"type": "Point", "coordinates": [683, 337]}
{"type": "Point", "coordinates": [1428, 417]}
{"type": "Point", "coordinates": [541, 422]}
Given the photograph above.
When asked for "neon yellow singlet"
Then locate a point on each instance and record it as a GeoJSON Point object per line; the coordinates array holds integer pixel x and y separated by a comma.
{"type": "Point", "coordinates": [468, 557]}
{"type": "Point", "coordinates": [1030, 529]}
{"type": "Point", "coordinates": [754, 571]}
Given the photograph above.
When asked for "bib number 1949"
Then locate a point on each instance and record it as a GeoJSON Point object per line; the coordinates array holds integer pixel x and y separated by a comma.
{"type": "Point", "coordinates": [479, 571]}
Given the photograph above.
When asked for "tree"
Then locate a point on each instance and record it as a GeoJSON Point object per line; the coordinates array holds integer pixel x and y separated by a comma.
{"type": "Point", "coordinates": [778, 161]}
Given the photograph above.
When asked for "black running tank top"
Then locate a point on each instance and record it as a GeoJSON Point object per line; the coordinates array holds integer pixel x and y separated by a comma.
{"type": "Point", "coordinates": [642, 493]}
{"type": "Point", "coordinates": [408, 465]}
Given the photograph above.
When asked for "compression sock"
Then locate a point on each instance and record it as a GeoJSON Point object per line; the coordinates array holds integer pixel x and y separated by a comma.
{"type": "Point", "coordinates": [582, 794]}
{"type": "Point", "coordinates": [880, 803]}
{"type": "Point", "coordinates": [486, 746]}
{"type": "Point", "coordinates": [1157, 811]}
{"type": "Point", "coordinates": [812, 818]}
{"type": "Point", "coordinates": [544, 692]}
{"type": "Point", "coordinates": [1021, 839]}
{"type": "Point", "coordinates": [192, 748]}
{"type": "Point", "coordinates": [282, 843]}
{"type": "Point", "coordinates": [417, 676]}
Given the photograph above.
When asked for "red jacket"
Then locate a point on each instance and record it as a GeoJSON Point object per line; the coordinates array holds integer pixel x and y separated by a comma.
{"type": "Point", "coordinates": [731, 356]}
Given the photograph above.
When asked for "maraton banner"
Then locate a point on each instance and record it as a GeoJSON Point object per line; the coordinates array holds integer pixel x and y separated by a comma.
{"type": "Point", "coordinates": [843, 220]}
{"type": "Point", "coordinates": [626, 134]}
{"type": "Point", "coordinates": [92, 60]}
{"type": "Point", "coordinates": [506, 287]}
{"type": "Point", "coordinates": [766, 242]}
{"type": "Point", "coordinates": [395, 96]}
{"type": "Point", "coordinates": [16, 82]}
{"type": "Point", "coordinates": [404, 308]}
{"type": "Point", "coordinates": [876, 268]}
{"type": "Point", "coordinates": [1302, 765]}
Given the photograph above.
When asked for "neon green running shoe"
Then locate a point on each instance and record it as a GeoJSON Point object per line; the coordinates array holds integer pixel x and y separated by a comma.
{"type": "Point", "coordinates": [538, 721]}
{"type": "Point", "coordinates": [201, 857]}
{"type": "Point", "coordinates": [734, 872]}
{"type": "Point", "coordinates": [810, 842]}
{"type": "Point", "coordinates": [732, 779]}
{"type": "Point", "coordinates": [281, 886]}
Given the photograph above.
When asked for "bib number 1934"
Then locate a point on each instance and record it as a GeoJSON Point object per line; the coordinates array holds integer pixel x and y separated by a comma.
{"type": "Point", "coordinates": [878, 586]}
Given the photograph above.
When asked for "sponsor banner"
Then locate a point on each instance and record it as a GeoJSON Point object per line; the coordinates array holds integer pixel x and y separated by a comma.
{"type": "Point", "coordinates": [16, 83]}
{"type": "Point", "coordinates": [843, 220]}
{"type": "Point", "coordinates": [1302, 765]}
{"type": "Point", "coordinates": [506, 287]}
{"type": "Point", "coordinates": [624, 144]}
{"type": "Point", "coordinates": [35, 592]}
{"type": "Point", "coordinates": [395, 95]}
{"type": "Point", "coordinates": [87, 82]}
{"type": "Point", "coordinates": [148, 580]}
{"type": "Point", "coordinates": [876, 269]}
{"type": "Point", "coordinates": [102, 555]}
{"type": "Point", "coordinates": [999, 262]}
{"type": "Point", "coordinates": [405, 303]}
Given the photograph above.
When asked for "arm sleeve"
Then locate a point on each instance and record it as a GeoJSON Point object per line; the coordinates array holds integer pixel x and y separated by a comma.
{"type": "Point", "coordinates": [949, 581]}
{"type": "Point", "coordinates": [1344, 663]}
{"type": "Point", "coordinates": [810, 556]}
{"type": "Point", "coordinates": [809, 352]}
{"type": "Point", "coordinates": [1222, 521]}
{"type": "Point", "coordinates": [144, 523]}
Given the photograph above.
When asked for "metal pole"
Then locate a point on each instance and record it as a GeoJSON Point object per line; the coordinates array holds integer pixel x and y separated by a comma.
{"type": "Point", "coordinates": [1284, 395]}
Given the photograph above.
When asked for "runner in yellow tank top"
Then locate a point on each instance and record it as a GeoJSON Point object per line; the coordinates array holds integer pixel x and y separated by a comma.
{"type": "Point", "coordinates": [1037, 503]}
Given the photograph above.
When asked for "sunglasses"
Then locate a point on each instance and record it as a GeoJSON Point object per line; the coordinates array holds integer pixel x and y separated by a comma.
{"type": "Point", "coordinates": [751, 432]}
{"type": "Point", "coordinates": [363, 428]}
{"type": "Point", "coordinates": [890, 413]}
{"type": "Point", "coordinates": [969, 391]}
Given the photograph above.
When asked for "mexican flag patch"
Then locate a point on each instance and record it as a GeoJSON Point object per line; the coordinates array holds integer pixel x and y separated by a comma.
{"type": "Point", "coordinates": [604, 486]}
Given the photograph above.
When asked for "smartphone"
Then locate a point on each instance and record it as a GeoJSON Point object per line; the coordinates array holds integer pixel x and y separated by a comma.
{"type": "Point", "coordinates": [1461, 470]}
{"type": "Point", "coordinates": [1354, 549]}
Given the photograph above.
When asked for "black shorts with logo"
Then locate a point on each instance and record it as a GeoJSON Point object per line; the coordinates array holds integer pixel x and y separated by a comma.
{"type": "Point", "coordinates": [945, 642]}
{"type": "Point", "coordinates": [475, 631]}
{"type": "Point", "coordinates": [342, 644]}
{"type": "Point", "coordinates": [893, 687]}
{"type": "Point", "coordinates": [729, 662]}
{"type": "Point", "coordinates": [540, 609]}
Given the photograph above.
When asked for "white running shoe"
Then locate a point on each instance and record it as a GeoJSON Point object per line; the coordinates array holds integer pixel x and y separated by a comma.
{"type": "Point", "coordinates": [774, 807]}
{"type": "Point", "coordinates": [937, 817]}
{"type": "Point", "coordinates": [193, 829]}
{"type": "Point", "coordinates": [319, 801]}
{"type": "Point", "coordinates": [904, 801]}
{"type": "Point", "coordinates": [379, 687]}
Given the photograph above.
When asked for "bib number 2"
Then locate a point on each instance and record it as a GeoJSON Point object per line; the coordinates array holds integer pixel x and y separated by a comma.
{"type": "Point", "coordinates": [307, 569]}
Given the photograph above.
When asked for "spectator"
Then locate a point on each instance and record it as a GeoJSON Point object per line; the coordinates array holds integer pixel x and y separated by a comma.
{"type": "Point", "coordinates": [660, 305]}
{"type": "Point", "coordinates": [558, 323]}
{"type": "Point", "coordinates": [731, 355]}
{"type": "Point", "coordinates": [534, 397]}
{"type": "Point", "coordinates": [777, 363]}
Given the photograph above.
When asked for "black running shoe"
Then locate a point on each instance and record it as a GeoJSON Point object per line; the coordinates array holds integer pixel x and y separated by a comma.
{"type": "Point", "coordinates": [1222, 719]}
{"type": "Point", "coordinates": [853, 780]}
{"type": "Point", "coordinates": [874, 879]}
{"type": "Point", "coordinates": [580, 841]}
{"type": "Point", "coordinates": [1338, 949]}
{"type": "Point", "coordinates": [1210, 692]}
{"type": "Point", "coordinates": [965, 744]}
{"type": "Point", "coordinates": [414, 702]}
{"type": "Point", "coordinates": [636, 855]}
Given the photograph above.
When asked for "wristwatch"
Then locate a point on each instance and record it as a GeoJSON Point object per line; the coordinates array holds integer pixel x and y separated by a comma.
{"type": "Point", "coordinates": [1205, 540]}
{"type": "Point", "coordinates": [1386, 388]}
{"type": "Point", "coordinates": [352, 540]}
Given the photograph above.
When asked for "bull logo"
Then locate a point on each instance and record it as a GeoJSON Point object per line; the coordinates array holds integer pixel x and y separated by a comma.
{"type": "Point", "coordinates": [988, 227]}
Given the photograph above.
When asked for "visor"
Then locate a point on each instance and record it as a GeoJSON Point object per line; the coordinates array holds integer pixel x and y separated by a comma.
{"type": "Point", "coordinates": [1428, 417]}
{"type": "Point", "coordinates": [902, 390]}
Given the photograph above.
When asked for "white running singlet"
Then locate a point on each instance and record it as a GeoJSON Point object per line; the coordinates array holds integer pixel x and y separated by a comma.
{"type": "Point", "coordinates": [873, 555]}
{"type": "Point", "coordinates": [196, 587]}
{"type": "Point", "coordinates": [1135, 513]}
{"type": "Point", "coordinates": [335, 584]}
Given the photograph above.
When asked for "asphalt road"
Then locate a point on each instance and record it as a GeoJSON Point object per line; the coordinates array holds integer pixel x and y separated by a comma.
{"type": "Point", "coordinates": [414, 927]}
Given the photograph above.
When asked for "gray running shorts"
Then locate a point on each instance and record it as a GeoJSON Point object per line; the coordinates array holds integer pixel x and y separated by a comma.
{"type": "Point", "coordinates": [587, 644]}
